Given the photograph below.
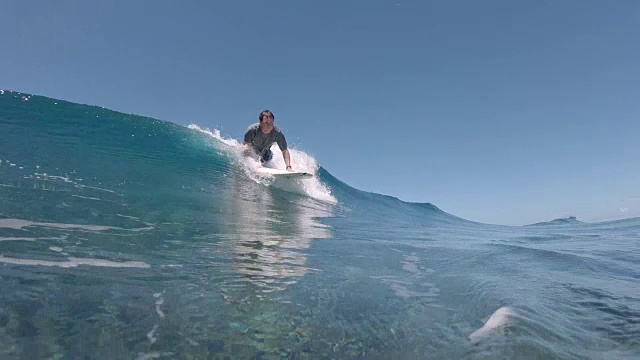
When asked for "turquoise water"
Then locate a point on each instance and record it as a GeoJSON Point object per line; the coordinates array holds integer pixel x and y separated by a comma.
{"type": "Point", "coordinates": [132, 238]}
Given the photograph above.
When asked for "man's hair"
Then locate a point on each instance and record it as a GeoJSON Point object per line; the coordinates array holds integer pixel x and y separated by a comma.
{"type": "Point", "coordinates": [266, 112]}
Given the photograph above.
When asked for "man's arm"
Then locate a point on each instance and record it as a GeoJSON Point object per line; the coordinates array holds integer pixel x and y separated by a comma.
{"type": "Point", "coordinates": [249, 135]}
{"type": "Point", "coordinates": [248, 138]}
{"type": "Point", "coordinates": [282, 144]}
{"type": "Point", "coordinates": [287, 159]}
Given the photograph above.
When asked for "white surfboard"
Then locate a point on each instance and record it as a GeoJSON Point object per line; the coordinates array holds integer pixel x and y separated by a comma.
{"type": "Point", "coordinates": [282, 173]}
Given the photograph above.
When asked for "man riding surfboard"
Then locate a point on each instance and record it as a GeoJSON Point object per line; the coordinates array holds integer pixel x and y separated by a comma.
{"type": "Point", "coordinates": [260, 136]}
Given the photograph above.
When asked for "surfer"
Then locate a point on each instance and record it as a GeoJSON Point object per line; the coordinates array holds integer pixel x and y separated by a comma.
{"type": "Point", "coordinates": [259, 138]}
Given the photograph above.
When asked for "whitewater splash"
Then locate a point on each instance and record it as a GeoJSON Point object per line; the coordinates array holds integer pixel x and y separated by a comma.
{"type": "Point", "coordinates": [498, 320]}
{"type": "Point", "coordinates": [311, 187]}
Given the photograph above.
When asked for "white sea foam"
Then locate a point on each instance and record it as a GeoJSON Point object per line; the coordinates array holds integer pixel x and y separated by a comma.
{"type": "Point", "coordinates": [97, 188]}
{"type": "Point", "coordinates": [151, 334]}
{"type": "Point", "coordinates": [159, 301]}
{"type": "Point", "coordinates": [300, 161]}
{"type": "Point", "coordinates": [74, 262]}
{"type": "Point", "coordinates": [499, 319]}
{"type": "Point", "coordinates": [31, 238]}
{"type": "Point", "coordinates": [158, 309]}
{"type": "Point", "coordinates": [53, 177]}
{"type": "Point", "coordinates": [86, 197]}
{"type": "Point", "coordinates": [154, 355]}
{"type": "Point", "coordinates": [19, 224]}
{"type": "Point", "coordinates": [17, 239]}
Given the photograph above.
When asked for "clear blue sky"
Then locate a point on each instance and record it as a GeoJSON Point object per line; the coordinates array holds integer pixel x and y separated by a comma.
{"type": "Point", "coordinates": [507, 112]}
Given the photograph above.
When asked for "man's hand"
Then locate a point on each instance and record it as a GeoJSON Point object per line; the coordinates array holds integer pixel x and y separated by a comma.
{"type": "Point", "coordinates": [246, 149]}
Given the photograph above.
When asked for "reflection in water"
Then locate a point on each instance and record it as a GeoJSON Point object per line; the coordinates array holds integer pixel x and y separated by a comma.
{"type": "Point", "coordinates": [267, 242]}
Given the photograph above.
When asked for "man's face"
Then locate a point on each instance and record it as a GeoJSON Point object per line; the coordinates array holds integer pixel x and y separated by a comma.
{"type": "Point", "coordinates": [267, 123]}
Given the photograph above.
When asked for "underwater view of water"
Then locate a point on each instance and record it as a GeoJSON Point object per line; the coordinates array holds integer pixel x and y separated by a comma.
{"type": "Point", "coordinates": [126, 237]}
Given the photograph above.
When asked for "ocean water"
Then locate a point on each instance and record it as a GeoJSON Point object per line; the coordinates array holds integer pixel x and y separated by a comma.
{"type": "Point", "coordinates": [126, 237]}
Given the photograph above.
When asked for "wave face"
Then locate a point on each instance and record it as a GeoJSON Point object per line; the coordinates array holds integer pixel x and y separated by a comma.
{"type": "Point", "coordinates": [129, 237]}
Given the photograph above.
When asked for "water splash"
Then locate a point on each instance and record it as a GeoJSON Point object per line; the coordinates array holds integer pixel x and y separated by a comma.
{"type": "Point", "coordinates": [311, 187]}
